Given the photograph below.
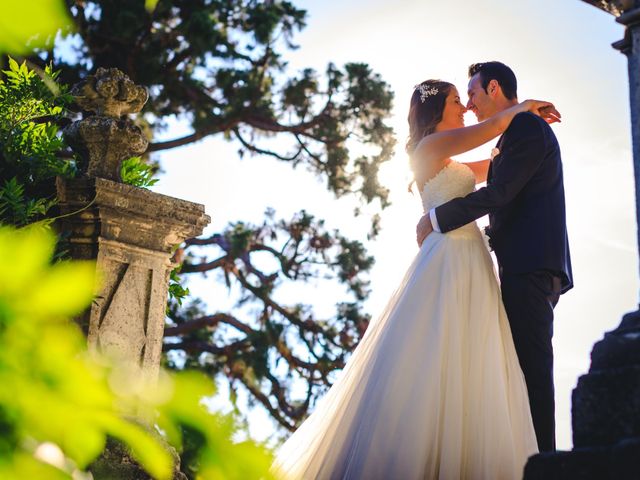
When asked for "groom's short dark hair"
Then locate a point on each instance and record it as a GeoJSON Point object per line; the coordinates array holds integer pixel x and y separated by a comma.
{"type": "Point", "coordinates": [496, 71]}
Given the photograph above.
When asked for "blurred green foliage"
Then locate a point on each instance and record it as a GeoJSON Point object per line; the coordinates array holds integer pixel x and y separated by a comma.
{"type": "Point", "coordinates": [57, 396]}
{"type": "Point", "coordinates": [25, 26]}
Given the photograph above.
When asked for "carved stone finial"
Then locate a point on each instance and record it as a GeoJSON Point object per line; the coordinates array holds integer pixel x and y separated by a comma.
{"type": "Point", "coordinates": [110, 93]}
{"type": "Point", "coordinates": [107, 138]}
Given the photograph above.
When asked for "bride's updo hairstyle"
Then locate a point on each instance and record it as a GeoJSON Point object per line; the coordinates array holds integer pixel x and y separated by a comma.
{"type": "Point", "coordinates": [425, 111]}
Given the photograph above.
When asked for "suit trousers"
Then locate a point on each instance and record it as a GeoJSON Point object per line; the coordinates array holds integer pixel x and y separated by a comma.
{"type": "Point", "coordinates": [529, 300]}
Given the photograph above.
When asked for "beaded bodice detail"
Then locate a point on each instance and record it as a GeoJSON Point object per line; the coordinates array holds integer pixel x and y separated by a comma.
{"type": "Point", "coordinates": [454, 180]}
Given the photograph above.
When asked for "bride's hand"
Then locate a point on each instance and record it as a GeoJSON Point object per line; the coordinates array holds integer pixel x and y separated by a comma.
{"type": "Point", "coordinates": [546, 110]}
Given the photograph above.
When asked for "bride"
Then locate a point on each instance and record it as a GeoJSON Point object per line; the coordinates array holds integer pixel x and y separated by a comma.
{"type": "Point", "coordinates": [434, 389]}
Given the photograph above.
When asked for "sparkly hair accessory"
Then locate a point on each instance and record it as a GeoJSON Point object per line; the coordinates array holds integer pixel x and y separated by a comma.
{"type": "Point", "coordinates": [425, 91]}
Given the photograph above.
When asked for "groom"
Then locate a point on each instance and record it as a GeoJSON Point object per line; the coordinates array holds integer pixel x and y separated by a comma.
{"type": "Point", "coordinates": [524, 198]}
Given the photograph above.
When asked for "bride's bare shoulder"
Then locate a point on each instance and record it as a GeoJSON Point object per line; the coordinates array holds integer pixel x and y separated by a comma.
{"type": "Point", "coordinates": [426, 165]}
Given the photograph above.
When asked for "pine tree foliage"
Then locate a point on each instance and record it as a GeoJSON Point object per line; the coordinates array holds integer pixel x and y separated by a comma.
{"type": "Point", "coordinates": [219, 67]}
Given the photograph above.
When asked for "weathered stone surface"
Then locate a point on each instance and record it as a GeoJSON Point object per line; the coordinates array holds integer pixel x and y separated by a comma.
{"type": "Point", "coordinates": [130, 232]}
{"type": "Point", "coordinates": [104, 140]}
{"type": "Point", "coordinates": [127, 214]}
{"type": "Point", "coordinates": [606, 401]}
{"type": "Point", "coordinates": [617, 462]}
{"type": "Point", "coordinates": [588, 464]}
{"type": "Point", "coordinates": [116, 463]}
{"type": "Point", "coordinates": [618, 348]}
{"type": "Point", "coordinates": [109, 93]}
{"type": "Point", "coordinates": [606, 407]}
{"type": "Point", "coordinates": [103, 143]}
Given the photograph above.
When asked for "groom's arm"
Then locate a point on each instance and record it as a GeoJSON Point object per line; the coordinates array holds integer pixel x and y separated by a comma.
{"type": "Point", "coordinates": [523, 152]}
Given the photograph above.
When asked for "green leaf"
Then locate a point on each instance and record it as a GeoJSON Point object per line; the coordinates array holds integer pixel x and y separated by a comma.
{"type": "Point", "coordinates": [137, 173]}
{"type": "Point", "coordinates": [13, 66]}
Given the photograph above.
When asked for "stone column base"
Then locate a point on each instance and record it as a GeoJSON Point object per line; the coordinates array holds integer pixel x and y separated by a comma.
{"type": "Point", "coordinates": [130, 232]}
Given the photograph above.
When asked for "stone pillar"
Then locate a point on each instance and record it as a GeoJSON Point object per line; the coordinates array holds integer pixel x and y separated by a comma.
{"type": "Point", "coordinates": [606, 402]}
{"type": "Point", "coordinates": [630, 46]}
{"type": "Point", "coordinates": [129, 231]}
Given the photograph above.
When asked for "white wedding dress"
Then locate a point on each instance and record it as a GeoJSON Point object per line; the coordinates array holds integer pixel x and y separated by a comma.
{"type": "Point", "coordinates": [434, 389]}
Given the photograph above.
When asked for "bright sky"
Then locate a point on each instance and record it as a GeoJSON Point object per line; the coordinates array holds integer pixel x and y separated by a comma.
{"type": "Point", "coordinates": [560, 51]}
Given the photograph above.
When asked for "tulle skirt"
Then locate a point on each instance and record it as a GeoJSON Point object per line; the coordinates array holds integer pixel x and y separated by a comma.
{"type": "Point", "coordinates": [434, 389]}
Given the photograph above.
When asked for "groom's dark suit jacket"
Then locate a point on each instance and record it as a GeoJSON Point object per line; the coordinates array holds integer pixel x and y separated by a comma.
{"type": "Point", "coordinates": [524, 198]}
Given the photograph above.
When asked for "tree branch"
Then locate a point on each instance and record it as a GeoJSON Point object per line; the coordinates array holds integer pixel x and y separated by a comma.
{"type": "Point", "coordinates": [315, 157]}
{"type": "Point", "coordinates": [279, 392]}
{"type": "Point", "coordinates": [207, 321]}
{"type": "Point", "coordinates": [194, 137]}
{"type": "Point", "coordinates": [271, 125]}
{"type": "Point", "coordinates": [199, 346]}
{"type": "Point", "coordinates": [214, 239]}
{"type": "Point", "coordinates": [204, 267]}
{"type": "Point", "coordinates": [307, 325]}
{"type": "Point", "coordinates": [255, 121]}
{"type": "Point", "coordinates": [194, 346]}
{"type": "Point", "coordinates": [261, 151]}
{"type": "Point", "coordinates": [264, 400]}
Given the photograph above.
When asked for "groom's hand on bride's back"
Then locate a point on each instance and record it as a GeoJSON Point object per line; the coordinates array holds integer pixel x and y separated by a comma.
{"type": "Point", "coordinates": [423, 229]}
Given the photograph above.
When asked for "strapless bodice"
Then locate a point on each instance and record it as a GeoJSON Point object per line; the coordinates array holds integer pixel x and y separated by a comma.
{"type": "Point", "coordinates": [454, 180]}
